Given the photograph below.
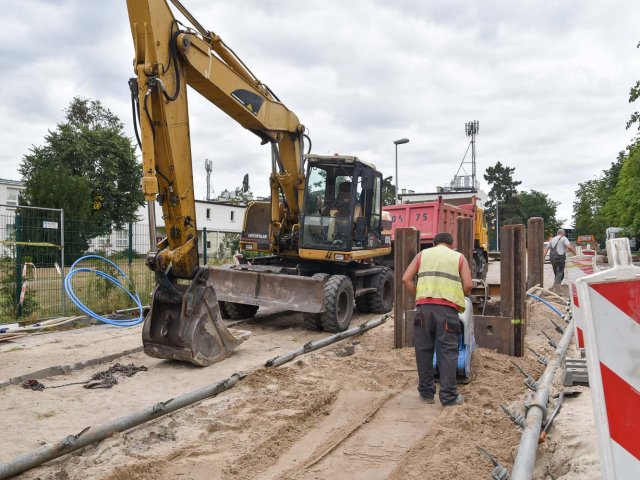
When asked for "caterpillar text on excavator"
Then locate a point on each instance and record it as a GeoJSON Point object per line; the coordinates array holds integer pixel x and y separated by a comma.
{"type": "Point", "coordinates": [319, 234]}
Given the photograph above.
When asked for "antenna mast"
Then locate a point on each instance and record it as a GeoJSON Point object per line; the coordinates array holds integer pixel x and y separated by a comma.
{"type": "Point", "coordinates": [208, 166]}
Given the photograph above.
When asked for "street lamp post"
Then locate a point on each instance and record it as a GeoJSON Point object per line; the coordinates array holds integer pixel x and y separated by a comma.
{"type": "Point", "coordinates": [398, 142]}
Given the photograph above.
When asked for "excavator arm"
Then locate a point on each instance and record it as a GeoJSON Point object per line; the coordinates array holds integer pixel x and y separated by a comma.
{"type": "Point", "coordinates": [168, 57]}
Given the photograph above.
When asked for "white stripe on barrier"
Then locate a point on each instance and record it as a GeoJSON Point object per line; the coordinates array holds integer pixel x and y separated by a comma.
{"type": "Point", "coordinates": [610, 303]}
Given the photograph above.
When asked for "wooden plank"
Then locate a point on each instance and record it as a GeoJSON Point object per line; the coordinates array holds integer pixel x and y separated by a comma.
{"type": "Point", "coordinates": [494, 333]}
{"type": "Point", "coordinates": [506, 271]}
{"type": "Point", "coordinates": [405, 247]}
{"type": "Point", "coordinates": [535, 248]}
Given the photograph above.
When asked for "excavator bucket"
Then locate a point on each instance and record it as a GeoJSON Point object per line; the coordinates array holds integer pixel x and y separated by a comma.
{"type": "Point", "coordinates": [267, 287]}
{"type": "Point", "coordinates": [184, 323]}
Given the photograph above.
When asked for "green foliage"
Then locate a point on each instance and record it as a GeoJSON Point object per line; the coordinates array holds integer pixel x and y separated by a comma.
{"type": "Point", "coordinates": [622, 208]}
{"type": "Point", "coordinates": [538, 204]}
{"type": "Point", "coordinates": [8, 300]}
{"type": "Point", "coordinates": [87, 167]}
{"type": "Point", "coordinates": [503, 193]}
{"type": "Point", "coordinates": [388, 191]}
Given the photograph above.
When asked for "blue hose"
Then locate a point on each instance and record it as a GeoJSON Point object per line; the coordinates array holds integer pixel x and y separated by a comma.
{"type": "Point", "coordinates": [68, 288]}
{"type": "Point", "coordinates": [547, 304]}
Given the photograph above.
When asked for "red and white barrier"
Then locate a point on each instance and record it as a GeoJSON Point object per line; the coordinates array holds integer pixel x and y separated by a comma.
{"type": "Point", "coordinates": [610, 304]}
{"type": "Point", "coordinates": [578, 266]}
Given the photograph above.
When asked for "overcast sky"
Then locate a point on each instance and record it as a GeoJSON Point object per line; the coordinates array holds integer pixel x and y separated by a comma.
{"type": "Point", "coordinates": [547, 80]}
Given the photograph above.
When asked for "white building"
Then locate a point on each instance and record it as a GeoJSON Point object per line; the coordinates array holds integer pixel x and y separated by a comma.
{"type": "Point", "coordinates": [218, 218]}
{"type": "Point", "coordinates": [9, 193]}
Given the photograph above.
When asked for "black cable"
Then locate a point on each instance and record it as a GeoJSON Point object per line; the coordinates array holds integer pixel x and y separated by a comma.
{"type": "Point", "coordinates": [146, 110]}
{"type": "Point", "coordinates": [173, 49]}
{"type": "Point", "coordinates": [309, 140]}
{"type": "Point", "coordinates": [133, 86]}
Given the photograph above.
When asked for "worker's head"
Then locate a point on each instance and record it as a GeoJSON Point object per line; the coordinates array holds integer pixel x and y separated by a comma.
{"type": "Point", "coordinates": [560, 232]}
{"type": "Point", "coordinates": [344, 192]}
{"type": "Point", "coordinates": [444, 238]}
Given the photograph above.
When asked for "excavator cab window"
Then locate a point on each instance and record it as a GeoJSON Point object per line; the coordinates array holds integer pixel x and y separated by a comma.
{"type": "Point", "coordinates": [342, 207]}
{"type": "Point", "coordinates": [327, 223]}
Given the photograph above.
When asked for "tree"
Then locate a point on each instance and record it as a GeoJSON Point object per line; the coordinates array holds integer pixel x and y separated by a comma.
{"type": "Point", "coordinates": [587, 209]}
{"type": "Point", "coordinates": [538, 204]}
{"type": "Point", "coordinates": [622, 208]}
{"type": "Point", "coordinates": [634, 94]}
{"type": "Point", "coordinates": [388, 191]}
{"type": "Point", "coordinates": [503, 195]}
{"type": "Point", "coordinates": [86, 166]}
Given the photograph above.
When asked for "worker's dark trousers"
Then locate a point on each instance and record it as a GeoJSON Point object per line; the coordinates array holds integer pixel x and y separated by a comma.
{"type": "Point", "coordinates": [558, 269]}
{"type": "Point", "coordinates": [442, 323]}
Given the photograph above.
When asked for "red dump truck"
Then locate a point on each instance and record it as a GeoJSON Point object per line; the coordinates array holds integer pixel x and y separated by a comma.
{"type": "Point", "coordinates": [437, 216]}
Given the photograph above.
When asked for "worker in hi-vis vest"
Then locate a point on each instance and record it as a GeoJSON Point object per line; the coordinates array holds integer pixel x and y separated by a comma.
{"type": "Point", "coordinates": [444, 279]}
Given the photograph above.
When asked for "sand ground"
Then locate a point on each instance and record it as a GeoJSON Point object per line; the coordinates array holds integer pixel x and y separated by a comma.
{"type": "Point", "coordinates": [349, 411]}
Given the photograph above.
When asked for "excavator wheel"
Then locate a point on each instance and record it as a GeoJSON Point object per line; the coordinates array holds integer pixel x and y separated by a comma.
{"type": "Point", "coordinates": [240, 311]}
{"type": "Point", "coordinates": [381, 301]}
{"type": "Point", "coordinates": [311, 321]}
{"type": "Point", "coordinates": [338, 304]}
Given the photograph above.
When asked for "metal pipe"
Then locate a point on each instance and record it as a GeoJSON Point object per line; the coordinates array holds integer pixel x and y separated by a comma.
{"type": "Point", "coordinates": [526, 457]}
{"type": "Point", "coordinates": [89, 436]}
{"type": "Point", "coordinates": [323, 342]}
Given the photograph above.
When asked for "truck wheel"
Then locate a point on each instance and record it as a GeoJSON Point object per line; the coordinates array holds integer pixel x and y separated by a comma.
{"type": "Point", "coordinates": [338, 304]}
{"type": "Point", "coordinates": [311, 321]}
{"type": "Point", "coordinates": [239, 311]}
{"type": "Point", "coordinates": [362, 304]}
{"type": "Point", "coordinates": [223, 310]}
{"type": "Point", "coordinates": [381, 301]}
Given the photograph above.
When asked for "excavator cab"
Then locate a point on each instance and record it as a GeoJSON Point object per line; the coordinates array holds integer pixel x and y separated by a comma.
{"type": "Point", "coordinates": [342, 208]}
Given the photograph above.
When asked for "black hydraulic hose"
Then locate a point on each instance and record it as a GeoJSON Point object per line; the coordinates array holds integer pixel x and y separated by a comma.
{"type": "Point", "coordinates": [173, 49]}
{"type": "Point", "coordinates": [135, 108]}
{"type": "Point", "coordinates": [146, 111]}
{"type": "Point", "coordinates": [309, 140]}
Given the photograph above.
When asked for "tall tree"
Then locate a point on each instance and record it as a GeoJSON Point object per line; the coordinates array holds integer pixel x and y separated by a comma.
{"type": "Point", "coordinates": [86, 166]}
{"type": "Point", "coordinates": [388, 191]}
{"type": "Point", "coordinates": [622, 208]}
{"type": "Point", "coordinates": [538, 204]}
{"type": "Point", "coordinates": [503, 205]}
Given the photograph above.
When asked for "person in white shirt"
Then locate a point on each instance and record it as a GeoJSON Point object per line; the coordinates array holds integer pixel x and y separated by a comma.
{"type": "Point", "coordinates": [557, 249]}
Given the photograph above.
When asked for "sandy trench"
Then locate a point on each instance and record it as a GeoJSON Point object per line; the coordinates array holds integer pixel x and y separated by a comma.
{"type": "Point", "coordinates": [322, 416]}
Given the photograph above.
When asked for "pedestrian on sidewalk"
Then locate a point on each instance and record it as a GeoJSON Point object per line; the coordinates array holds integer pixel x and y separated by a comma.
{"type": "Point", "coordinates": [557, 248]}
{"type": "Point", "coordinates": [444, 279]}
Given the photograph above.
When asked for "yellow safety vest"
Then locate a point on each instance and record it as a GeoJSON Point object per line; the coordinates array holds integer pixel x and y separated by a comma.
{"type": "Point", "coordinates": [439, 276]}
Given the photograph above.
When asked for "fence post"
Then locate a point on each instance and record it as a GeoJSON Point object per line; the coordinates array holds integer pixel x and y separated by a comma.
{"type": "Point", "coordinates": [63, 298]}
{"type": "Point", "coordinates": [204, 244]}
{"type": "Point", "coordinates": [18, 226]}
{"type": "Point", "coordinates": [130, 252]}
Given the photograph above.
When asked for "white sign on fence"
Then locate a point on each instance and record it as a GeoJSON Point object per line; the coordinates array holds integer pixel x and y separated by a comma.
{"type": "Point", "coordinates": [51, 225]}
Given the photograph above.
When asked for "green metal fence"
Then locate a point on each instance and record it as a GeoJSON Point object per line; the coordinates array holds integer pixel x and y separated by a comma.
{"type": "Point", "coordinates": [38, 245]}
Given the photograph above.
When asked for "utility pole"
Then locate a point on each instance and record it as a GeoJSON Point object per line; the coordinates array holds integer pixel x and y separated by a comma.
{"type": "Point", "coordinates": [398, 142]}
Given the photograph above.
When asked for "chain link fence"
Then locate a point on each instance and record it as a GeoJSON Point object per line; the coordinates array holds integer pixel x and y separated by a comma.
{"type": "Point", "coordinates": [37, 246]}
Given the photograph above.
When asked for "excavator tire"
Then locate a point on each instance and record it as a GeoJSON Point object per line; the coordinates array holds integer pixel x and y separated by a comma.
{"type": "Point", "coordinates": [239, 311]}
{"type": "Point", "coordinates": [311, 321]}
{"type": "Point", "coordinates": [381, 301]}
{"type": "Point", "coordinates": [338, 304]}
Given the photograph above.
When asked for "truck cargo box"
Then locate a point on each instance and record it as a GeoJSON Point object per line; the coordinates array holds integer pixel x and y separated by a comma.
{"type": "Point", "coordinates": [429, 218]}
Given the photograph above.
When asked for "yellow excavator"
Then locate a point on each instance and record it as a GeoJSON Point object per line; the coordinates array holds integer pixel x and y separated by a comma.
{"type": "Point", "coordinates": [319, 234]}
